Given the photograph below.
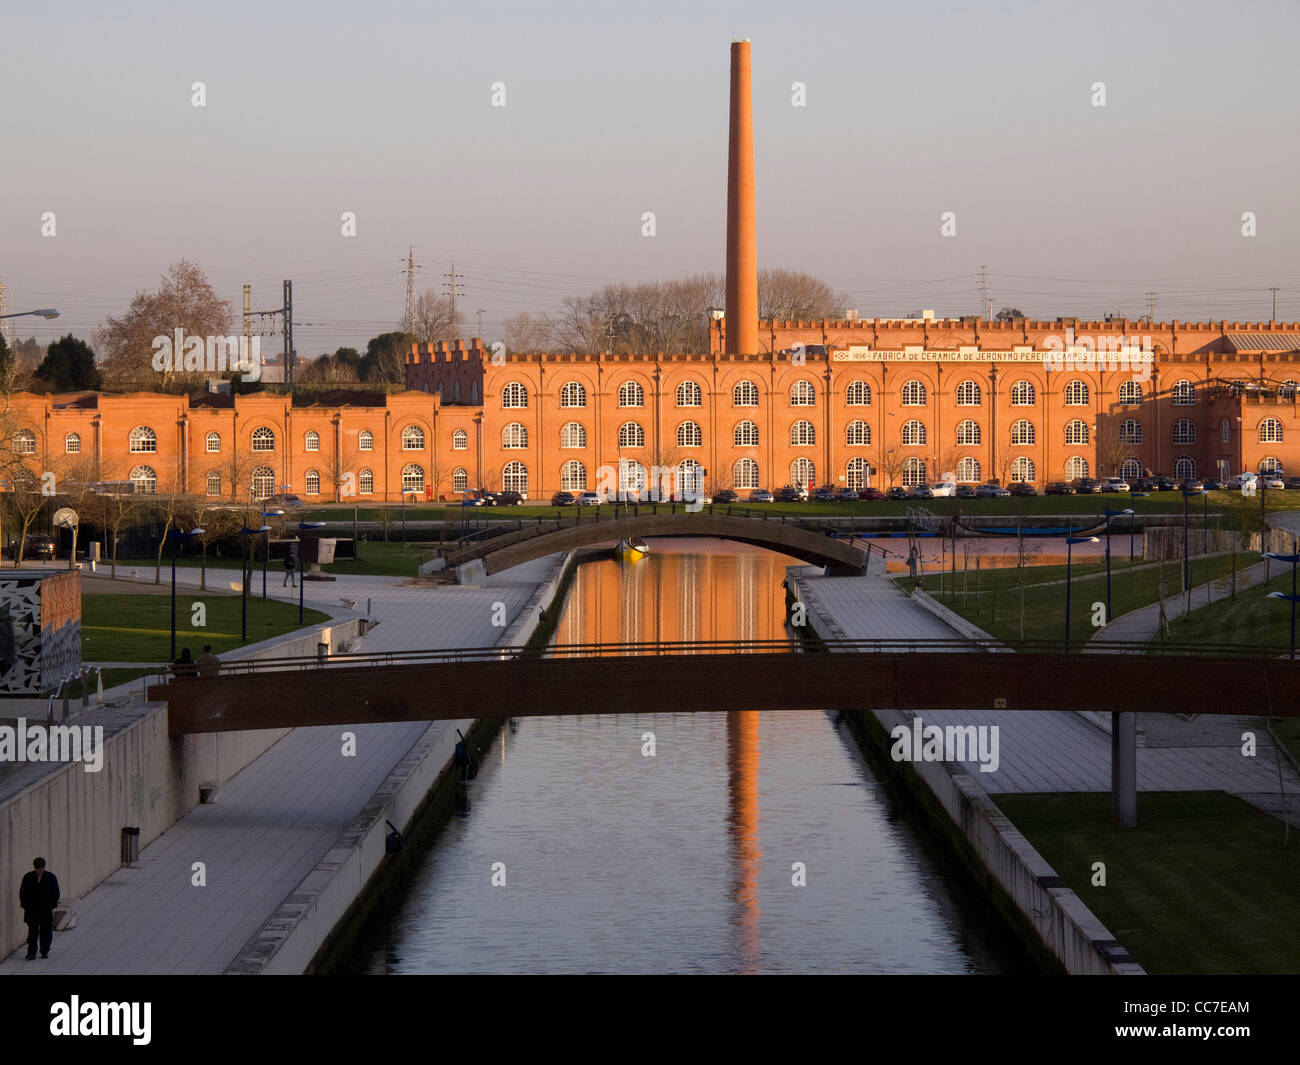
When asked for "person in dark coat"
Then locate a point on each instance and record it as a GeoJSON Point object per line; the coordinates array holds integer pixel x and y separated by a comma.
{"type": "Point", "coordinates": [184, 666]}
{"type": "Point", "coordinates": [38, 895]}
{"type": "Point", "coordinates": [291, 568]}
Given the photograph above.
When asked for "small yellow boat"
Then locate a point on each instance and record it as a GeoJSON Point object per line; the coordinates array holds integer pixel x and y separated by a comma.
{"type": "Point", "coordinates": [631, 549]}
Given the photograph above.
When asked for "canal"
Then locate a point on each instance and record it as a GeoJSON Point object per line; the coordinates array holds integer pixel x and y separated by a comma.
{"type": "Point", "coordinates": [673, 842]}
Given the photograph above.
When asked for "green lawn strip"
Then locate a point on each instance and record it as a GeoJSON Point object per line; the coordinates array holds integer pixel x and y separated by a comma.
{"type": "Point", "coordinates": [1203, 884]}
{"type": "Point", "coordinates": [137, 628]}
{"type": "Point", "coordinates": [1033, 574]}
{"type": "Point", "coordinates": [378, 559]}
{"type": "Point", "coordinates": [1045, 603]}
{"type": "Point", "coordinates": [1251, 618]}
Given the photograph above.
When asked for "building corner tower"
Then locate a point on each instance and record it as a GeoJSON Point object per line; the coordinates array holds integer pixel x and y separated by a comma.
{"type": "Point", "coordinates": [741, 320]}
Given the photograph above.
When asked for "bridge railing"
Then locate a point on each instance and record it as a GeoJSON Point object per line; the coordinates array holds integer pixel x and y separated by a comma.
{"type": "Point", "coordinates": [1245, 654]}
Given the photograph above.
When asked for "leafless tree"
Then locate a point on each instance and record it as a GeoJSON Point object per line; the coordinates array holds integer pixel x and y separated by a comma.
{"type": "Point", "coordinates": [795, 295]}
{"type": "Point", "coordinates": [528, 334]}
{"type": "Point", "coordinates": [434, 320]}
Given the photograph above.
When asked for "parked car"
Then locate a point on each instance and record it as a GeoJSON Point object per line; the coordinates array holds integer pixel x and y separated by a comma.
{"type": "Point", "coordinates": [787, 494]}
{"type": "Point", "coordinates": [761, 495]}
{"type": "Point", "coordinates": [990, 491]}
{"type": "Point", "coordinates": [1191, 486]}
{"type": "Point", "coordinates": [848, 495]}
{"type": "Point", "coordinates": [1115, 484]}
{"type": "Point", "coordinates": [37, 546]}
{"type": "Point", "coordinates": [944, 489]}
{"type": "Point", "coordinates": [484, 499]}
{"type": "Point", "coordinates": [899, 492]}
{"type": "Point", "coordinates": [562, 499]}
{"type": "Point", "coordinates": [589, 499]}
{"type": "Point", "coordinates": [1213, 485]}
{"type": "Point", "coordinates": [1022, 488]}
{"type": "Point", "coordinates": [509, 499]}
{"type": "Point", "coordinates": [873, 495]}
{"type": "Point", "coordinates": [288, 502]}
{"type": "Point", "coordinates": [966, 491]}
{"type": "Point", "coordinates": [1293, 482]}
{"type": "Point", "coordinates": [726, 495]}
{"type": "Point", "coordinates": [1165, 484]}
{"type": "Point", "coordinates": [1240, 480]}
{"type": "Point", "coordinates": [1059, 488]}
{"type": "Point", "coordinates": [1143, 484]}
{"type": "Point", "coordinates": [1086, 486]}
{"type": "Point", "coordinates": [922, 491]}
{"type": "Point", "coordinates": [1271, 480]}
{"type": "Point", "coordinates": [825, 494]}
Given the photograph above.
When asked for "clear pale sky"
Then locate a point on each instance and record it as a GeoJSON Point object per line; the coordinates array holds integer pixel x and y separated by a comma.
{"type": "Point", "coordinates": [614, 109]}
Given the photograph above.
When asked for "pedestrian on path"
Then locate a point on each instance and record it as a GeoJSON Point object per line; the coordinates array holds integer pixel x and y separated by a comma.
{"type": "Point", "coordinates": [208, 665]}
{"type": "Point", "coordinates": [184, 666]}
{"type": "Point", "coordinates": [290, 569]}
{"type": "Point", "coordinates": [912, 562]}
{"type": "Point", "coordinates": [38, 895]}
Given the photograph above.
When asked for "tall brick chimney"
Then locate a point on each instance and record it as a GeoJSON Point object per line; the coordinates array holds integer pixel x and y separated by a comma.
{"type": "Point", "coordinates": [742, 254]}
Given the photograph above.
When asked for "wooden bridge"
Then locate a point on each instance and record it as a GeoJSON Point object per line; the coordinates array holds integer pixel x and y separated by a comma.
{"type": "Point", "coordinates": [794, 535]}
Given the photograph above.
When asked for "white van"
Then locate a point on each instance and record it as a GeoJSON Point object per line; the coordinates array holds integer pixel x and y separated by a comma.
{"type": "Point", "coordinates": [943, 489]}
{"type": "Point", "coordinates": [1240, 480]}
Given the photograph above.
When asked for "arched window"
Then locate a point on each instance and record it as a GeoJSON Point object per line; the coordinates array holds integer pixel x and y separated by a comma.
{"type": "Point", "coordinates": [1130, 470]}
{"type": "Point", "coordinates": [855, 474]}
{"type": "Point", "coordinates": [1183, 394]}
{"type": "Point", "coordinates": [262, 482]}
{"type": "Point", "coordinates": [1225, 431]}
{"type": "Point", "coordinates": [631, 394]}
{"type": "Point", "coordinates": [1130, 431]}
{"type": "Point", "coordinates": [968, 394]}
{"type": "Point", "coordinates": [366, 482]}
{"type": "Point", "coordinates": [1184, 431]}
{"type": "Point", "coordinates": [144, 439]}
{"type": "Point", "coordinates": [744, 474]}
{"type": "Point", "coordinates": [573, 476]}
{"type": "Point", "coordinates": [459, 440]}
{"type": "Point", "coordinates": [1184, 468]}
{"type": "Point", "coordinates": [858, 394]}
{"type": "Point", "coordinates": [72, 444]}
{"type": "Point", "coordinates": [630, 434]}
{"type": "Point", "coordinates": [412, 478]}
{"type": "Point", "coordinates": [214, 483]}
{"type": "Point", "coordinates": [1130, 393]}
{"type": "Point", "coordinates": [365, 440]}
{"type": "Point", "coordinates": [802, 472]}
{"type": "Point", "coordinates": [857, 434]}
{"type": "Point", "coordinates": [745, 394]}
{"type": "Point", "coordinates": [312, 481]}
{"type": "Point", "coordinates": [514, 478]}
{"type": "Point", "coordinates": [968, 470]}
{"type": "Point", "coordinates": [913, 433]}
{"type": "Point", "coordinates": [145, 479]}
{"type": "Point", "coordinates": [1270, 431]}
{"type": "Point", "coordinates": [803, 434]}
{"type": "Point", "coordinates": [1023, 394]}
{"type": "Point", "coordinates": [690, 480]}
{"type": "Point", "coordinates": [803, 394]}
{"type": "Point", "coordinates": [1270, 465]}
{"type": "Point", "coordinates": [689, 434]}
{"type": "Point", "coordinates": [914, 472]}
{"type": "Point", "coordinates": [912, 394]}
{"type": "Point", "coordinates": [689, 394]}
{"type": "Point", "coordinates": [460, 479]}
{"type": "Point", "coordinates": [514, 395]}
{"type": "Point", "coordinates": [1076, 395]}
{"type": "Point", "coordinates": [745, 435]}
{"type": "Point", "coordinates": [574, 434]}
{"type": "Point", "coordinates": [312, 441]}
{"type": "Point", "coordinates": [263, 439]}
{"type": "Point", "coordinates": [573, 395]}
{"type": "Point", "coordinates": [1076, 432]}
{"type": "Point", "coordinates": [213, 443]}
{"type": "Point", "coordinates": [1023, 470]}
{"type": "Point", "coordinates": [968, 433]}
{"type": "Point", "coordinates": [514, 435]}
{"type": "Point", "coordinates": [412, 438]}
{"type": "Point", "coordinates": [1022, 432]}
{"type": "Point", "coordinates": [1076, 467]}
{"type": "Point", "coordinates": [631, 479]}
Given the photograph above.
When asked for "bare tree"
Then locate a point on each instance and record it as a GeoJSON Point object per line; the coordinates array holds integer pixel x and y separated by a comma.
{"type": "Point", "coordinates": [434, 320]}
{"type": "Point", "coordinates": [528, 334]}
{"type": "Point", "coordinates": [795, 295]}
{"type": "Point", "coordinates": [891, 461]}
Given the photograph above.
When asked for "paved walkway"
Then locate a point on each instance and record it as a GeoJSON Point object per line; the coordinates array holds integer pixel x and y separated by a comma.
{"type": "Point", "coordinates": [274, 821]}
{"type": "Point", "coordinates": [1043, 751]}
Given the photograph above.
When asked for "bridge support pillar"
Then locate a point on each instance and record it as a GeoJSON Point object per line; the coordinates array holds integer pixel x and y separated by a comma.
{"type": "Point", "coordinates": [1123, 769]}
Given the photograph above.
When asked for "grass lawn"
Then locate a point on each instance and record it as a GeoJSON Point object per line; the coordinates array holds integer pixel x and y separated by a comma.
{"type": "Point", "coordinates": [392, 559]}
{"type": "Point", "coordinates": [1203, 885]}
{"type": "Point", "coordinates": [1250, 618]}
{"type": "Point", "coordinates": [1044, 616]}
{"type": "Point", "coordinates": [137, 628]}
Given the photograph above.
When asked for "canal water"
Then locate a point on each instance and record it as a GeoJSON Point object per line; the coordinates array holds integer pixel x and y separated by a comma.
{"type": "Point", "coordinates": [610, 855]}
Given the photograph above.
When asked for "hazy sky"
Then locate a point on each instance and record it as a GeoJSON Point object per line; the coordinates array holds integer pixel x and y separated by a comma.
{"type": "Point", "coordinates": [614, 109]}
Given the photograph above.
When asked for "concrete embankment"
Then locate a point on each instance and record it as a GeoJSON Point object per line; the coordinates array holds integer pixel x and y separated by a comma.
{"type": "Point", "coordinates": [149, 780]}
{"type": "Point", "coordinates": [1048, 915]}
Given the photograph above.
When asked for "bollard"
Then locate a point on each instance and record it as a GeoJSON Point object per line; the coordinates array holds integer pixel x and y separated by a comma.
{"type": "Point", "coordinates": [322, 652]}
{"type": "Point", "coordinates": [130, 845]}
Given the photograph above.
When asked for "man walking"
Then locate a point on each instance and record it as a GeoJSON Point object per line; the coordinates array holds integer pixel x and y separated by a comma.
{"type": "Point", "coordinates": [291, 568]}
{"type": "Point", "coordinates": [38, 895]}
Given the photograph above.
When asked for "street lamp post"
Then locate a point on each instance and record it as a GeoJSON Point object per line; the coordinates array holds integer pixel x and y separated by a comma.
{"type": "Point", "coordinates": [266, 549]}
{"type": "Point", "coordinates": [177, 536]}
{"type": "Point", "coordinates": [303, 526]}
{"type": "Point", "coordinates": [1132, 495]}
{"type": "Point", "coordinates": [48, 312]}
{"type": "Point", "coordinates": [245, 533]}
{"type": "Point", "coordinates": [1112, 514]}
{"type": "Point", "coordinates": [1293, 597]}
{"type": "Point", "coordinates": [1187, 561]}
{"type": "Point", "coordinates": [1070, 541]}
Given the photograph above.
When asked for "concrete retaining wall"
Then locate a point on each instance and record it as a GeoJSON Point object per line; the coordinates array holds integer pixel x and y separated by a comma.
{"type": "Point", "coordinates": [149, 780]}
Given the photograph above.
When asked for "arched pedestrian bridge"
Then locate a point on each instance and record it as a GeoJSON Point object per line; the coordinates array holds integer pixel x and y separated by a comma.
{"type": "Point", "coordinates": [802, 538]}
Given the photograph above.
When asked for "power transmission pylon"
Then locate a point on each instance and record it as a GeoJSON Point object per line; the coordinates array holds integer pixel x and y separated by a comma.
{"type": "Point", "coordinates": [6, 329]}
{"type": "Point", "coordinates": [453, 288]}
{"type": "Point", "coordinates": [479, 312]}
{"type": "Point", "coordinates": [1151, 307]}
{"type": "Point", "coordinates": [1273, 290]}
{"type": "Point", "coordinates": [985, 299]}
{"type": "Point", "coordinates": [411, 267]}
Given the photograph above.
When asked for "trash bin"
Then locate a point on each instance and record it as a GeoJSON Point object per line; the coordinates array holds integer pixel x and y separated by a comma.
{"type": "Point", "coordinates": [130, 846]}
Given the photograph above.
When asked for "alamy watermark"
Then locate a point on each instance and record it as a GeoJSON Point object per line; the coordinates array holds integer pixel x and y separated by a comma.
{"type": "Point", "coordinates": [53, 743]}
{"type": "Point", "coordinates": [1086, 353]}
{"type": "Point", "coordinates": [215, 354]}
{"type": "Point", "coordinates": [946, 743]}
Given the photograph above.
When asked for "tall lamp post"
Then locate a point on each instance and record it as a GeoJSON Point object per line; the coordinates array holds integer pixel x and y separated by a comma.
{"type": "Point", "coordinates": [1070, 541]}
{"type": "Point", "coordinates": [245, 533]}
{"type": "Point", "coordinates": [1132, 495]}
{"type": "Point", "coordinates": [1293, 597]}
{"type": "Point", "coordinates": [48, 312]}
{"type": "Point", "coordinates": [303, 526]}
{"type": "Point", "coordinates": [266, 547]}
{"type": "Point", "coordinates": [1114, 514]}
{"type": "Point", "coordinates": [176, 537]}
